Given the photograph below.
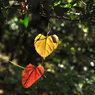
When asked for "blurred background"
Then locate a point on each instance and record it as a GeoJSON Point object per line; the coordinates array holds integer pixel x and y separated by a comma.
{"type": "Point", "coordinates": [70, 69]}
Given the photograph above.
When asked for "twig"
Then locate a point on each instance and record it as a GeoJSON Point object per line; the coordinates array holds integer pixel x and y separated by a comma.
{"type": "Point", "coordinates": [58, 17]}
{"type": "Point", "coordinates": [83, 2]}
{"type": "Point", "coordinates": [17, 65]}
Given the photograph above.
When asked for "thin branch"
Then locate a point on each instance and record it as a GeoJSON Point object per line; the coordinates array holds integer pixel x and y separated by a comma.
{"type": "Point", "coordinates": [83, 2]}
{"type": "Point", "coordinates": [78, 14]}
{"type": "Point", "coordinates": [64, 17]}
{"type": "Point", "coordinates": [17, 65]}
{"type": "Point", "coordinates": [58, 17]}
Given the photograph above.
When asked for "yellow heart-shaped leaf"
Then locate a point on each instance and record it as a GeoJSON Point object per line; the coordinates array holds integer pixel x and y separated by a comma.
{"type": "Point", "coordinates": [45, 45]}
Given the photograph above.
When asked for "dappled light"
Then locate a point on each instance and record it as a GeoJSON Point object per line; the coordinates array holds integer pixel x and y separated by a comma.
{"type": "Point", "coordinates": [47, 47]}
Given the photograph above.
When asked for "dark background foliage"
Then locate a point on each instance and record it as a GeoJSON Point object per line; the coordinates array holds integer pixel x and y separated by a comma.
{"type": "Point", "coordinates": [70, 69]}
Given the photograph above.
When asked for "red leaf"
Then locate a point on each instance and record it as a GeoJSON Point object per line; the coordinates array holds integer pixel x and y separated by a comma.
{"type": "Point", "coordinates": [30, 74]}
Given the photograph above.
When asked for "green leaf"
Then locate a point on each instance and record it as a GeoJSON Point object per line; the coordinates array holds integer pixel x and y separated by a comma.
{"type": "Point", "coordinates": [7, 32]}
{"type": "Point", "coordinates": [25, 21]}
{"type": "Point", "coordinates": [21, 21]}
{"type": "Point", "coordinates": [1, 8]}
{"type": "Point", "coordinates": [55, 4]}
{"type": "Point", "coordinates": [68, 5]}
{"type": "Point", "coordinates": [72, 16]}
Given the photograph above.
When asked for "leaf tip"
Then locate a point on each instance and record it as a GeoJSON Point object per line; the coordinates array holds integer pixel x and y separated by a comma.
{"type": "Point", "coordinates": [44, 58]}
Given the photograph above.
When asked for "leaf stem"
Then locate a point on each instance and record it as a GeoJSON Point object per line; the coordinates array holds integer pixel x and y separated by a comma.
{"type": "Point", "coordinates": [17, 65]}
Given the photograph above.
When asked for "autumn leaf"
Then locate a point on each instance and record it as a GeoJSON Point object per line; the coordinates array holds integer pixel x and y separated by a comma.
{"type": "Point", "coordinates": [31, 74]}
{"type": "Point", "coordinates": [45, 45]}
